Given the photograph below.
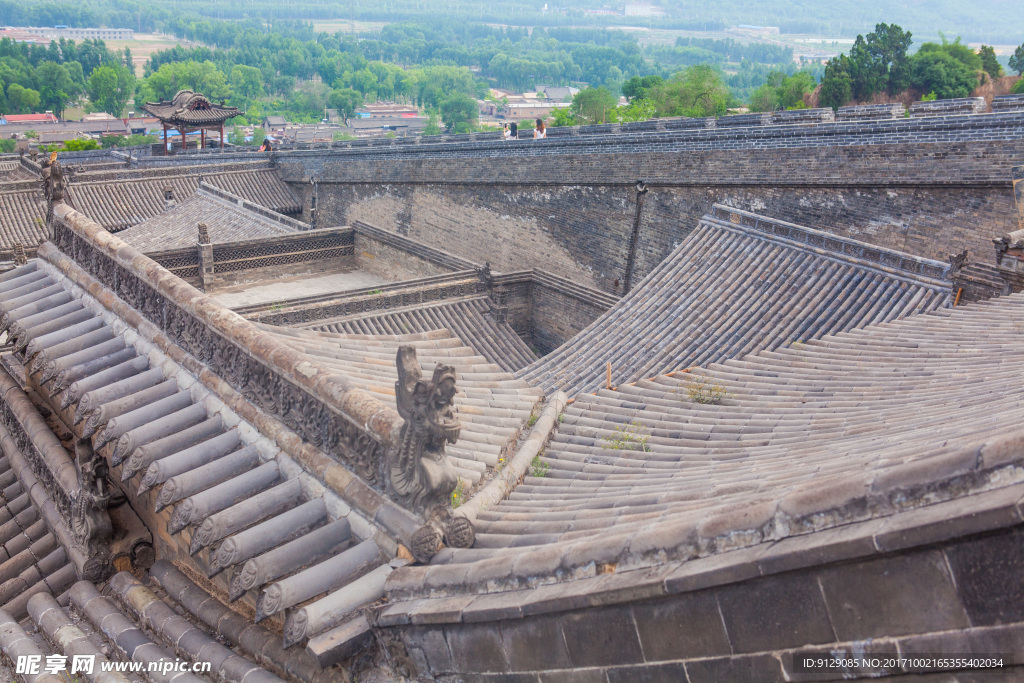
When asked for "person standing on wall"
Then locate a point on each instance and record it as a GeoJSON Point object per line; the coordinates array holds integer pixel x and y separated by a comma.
{"type": "Point", "coordinates": [540, 132]}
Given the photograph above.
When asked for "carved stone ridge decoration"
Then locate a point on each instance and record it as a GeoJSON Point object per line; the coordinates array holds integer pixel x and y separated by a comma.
{"type": "Point", "coordinates": [420, 474]}
{"type": "Point", "coordinates": [499, 304]}
{"type": "Point", "coordinates": [53, 180]}
{"type": "Point", "coordinates": [90, 522]}
{"type": "Point", "coordinates": [956, 263]}
{"type": "Point", "coordinates": [485, 275]}
{"type": "Point", "coordinates": [268, 390]}
{"type": "Point", "coordinates": [85, 509]}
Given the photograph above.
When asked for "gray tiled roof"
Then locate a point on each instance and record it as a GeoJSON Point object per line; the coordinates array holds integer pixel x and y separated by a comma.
{"type": "Point", "coordinates": [190, 108]}
{"type": "Point", "coordinates": [22, 214]}
{"type": "Point", "coordinates": [492, 404]}
{"type": "Point", "coordinates": [738, 284]}
{"type": "Point", "coordinates": [468, 319]}
{"type": "Point", "coordinates": [228, 218]}
{"type": "Point", "coordinates": [197, 464]}
{"type": "Point", "coordinates": [126, 202]}
{"type": "Point", "coordinates": [853, 426]}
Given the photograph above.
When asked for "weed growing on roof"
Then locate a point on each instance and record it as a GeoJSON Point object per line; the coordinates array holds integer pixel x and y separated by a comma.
{"type": "Point", "coordinates": [538, 468]}
{"type": "Point", "coordinates": [628, 437]}
{"type": "Point", "coordinates": [700, 389]}
{"type": "Point", "coordinates": [459, 494]}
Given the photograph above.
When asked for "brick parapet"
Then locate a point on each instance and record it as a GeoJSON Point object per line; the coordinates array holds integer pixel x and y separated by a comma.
{"type": "Point", "coordinates": [323, 309]}
{"type": "Point", "coordinates": [247, 260]}
{"type": "Point", "coordinates": [946, 130]}
{"type": "Point", "coordinates": [123, 173]}
{"type": "Point", "coordinates": [908, 267]}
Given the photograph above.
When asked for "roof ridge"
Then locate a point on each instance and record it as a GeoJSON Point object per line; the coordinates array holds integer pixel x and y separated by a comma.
{"type": "Point", "coordinates": [863, 254]}
{"type": "Point", "coordinates": [241, 204]}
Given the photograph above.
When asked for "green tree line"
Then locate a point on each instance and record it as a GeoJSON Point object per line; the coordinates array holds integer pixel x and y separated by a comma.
{"type": "Point", "coordinates": [881, 63]}
{"type": "Point", "coordinates": [34, 78]}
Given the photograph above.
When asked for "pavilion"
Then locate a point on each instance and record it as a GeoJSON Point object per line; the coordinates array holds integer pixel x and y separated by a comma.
{"type": "Point", "coordinates": [190, 111]}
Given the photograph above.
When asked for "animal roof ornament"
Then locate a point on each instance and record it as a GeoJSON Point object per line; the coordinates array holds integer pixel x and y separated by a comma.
{"type": "Point", "coordinates": [420, 473]}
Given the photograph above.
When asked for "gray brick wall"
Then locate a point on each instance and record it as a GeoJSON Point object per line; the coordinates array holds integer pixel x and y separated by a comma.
{"type": "Point", "coordinates": [927, 186]}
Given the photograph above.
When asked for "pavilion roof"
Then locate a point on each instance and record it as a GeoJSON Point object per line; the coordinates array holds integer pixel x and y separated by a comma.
{"type": "Point", "coordinates": [189, 108]}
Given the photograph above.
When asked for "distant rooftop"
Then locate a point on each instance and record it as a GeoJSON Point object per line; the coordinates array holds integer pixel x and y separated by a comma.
{"type": "Point", "coordinates": [190, 109]}
{"type": "Point", "coordinates": [228, 217]}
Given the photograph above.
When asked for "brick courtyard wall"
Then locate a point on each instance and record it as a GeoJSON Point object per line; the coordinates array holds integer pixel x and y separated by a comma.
{"type": "Point", "coordinates": [313, 251]}
{"type": "Point", "coordinates": [560, 309]}
{"type": "Point", "coordinates": [395, 258]}
{"type": "Point", "coordinates": [929, 186]}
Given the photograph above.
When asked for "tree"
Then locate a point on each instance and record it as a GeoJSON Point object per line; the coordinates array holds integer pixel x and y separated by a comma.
{"type": "Point", "coordinates": [781, 91]}
{"type": "Point", "coordinates": [80, 145]}
{"type": "Point", "coordinates": [879, 62]}
{"type": "Point", "coordinates": [310, 99]}
{"type": "Point", "coordinates": [56, 88]}
{"type": "Point", "coordinates": [345, 100]}
{"type": "Point", "coordinates": [938, 72]}
{"type": "Point", "coordinates": [1017, 60]}
{"type": "Point", "coordinates": [592, 105]}
{"type": "Point", "coordinates": [110, 87]}
{"type": "Point", "coordinates": [696, 91]}
{"type": "Point", "coordinates": [436, 83]}
{"type": "Point", "coordinates": [432, 128]}
{"type": "Point", "coordinates": [22, 100]}
{"type": "Point", "coordinates": [638, 87]}
{"type": "Point", "coordinates": [955, 49]}
{"type": "Point", "coordinates": [989, 62]}
{"type": "Point", "coordinates": [641, 110]}
{"type": "Point", "coordinates": [201, 77]}
{"type": "Point", "coordinates": [77, 75]}
{"type": "Point", "coordinates": [246, 83]}
{"type": "Point", "coordinates": [888, 46]}
{"type": "Point", "coordinates": [7, 145]}
{"type": "Point", "coordinates": [948, 69]}
{"type": "Point", "coordinates": [564, 117]}
{"type": "Point", "coordinates": [836, 84]}
{"type": "Point", "coordinates": [459, 112]}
